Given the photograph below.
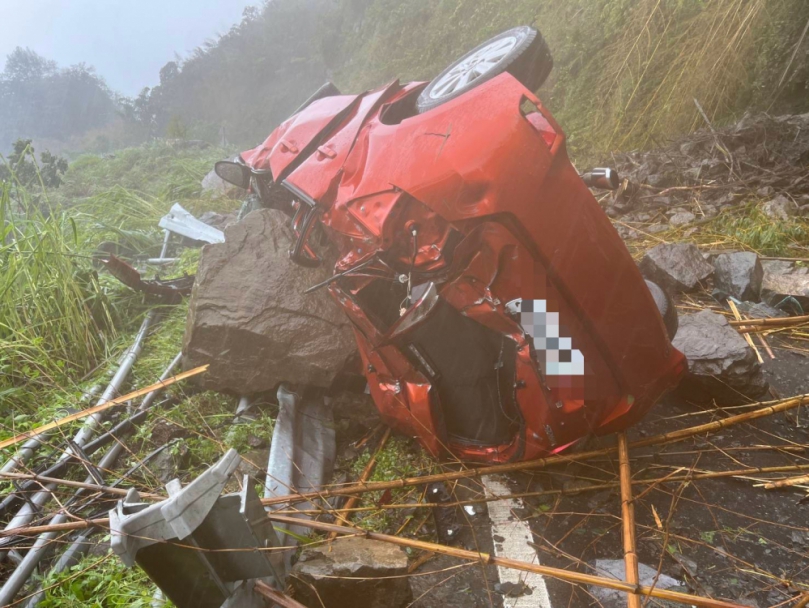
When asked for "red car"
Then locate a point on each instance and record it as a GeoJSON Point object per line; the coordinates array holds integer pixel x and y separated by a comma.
{"type": "Point", "coordinates": [498, 314]}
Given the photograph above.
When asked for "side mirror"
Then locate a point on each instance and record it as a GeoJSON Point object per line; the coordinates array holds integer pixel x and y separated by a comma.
{"type": "Point", "coordinates": [604, 178]}
{"type": "Point", "coordinates": [233, 173]}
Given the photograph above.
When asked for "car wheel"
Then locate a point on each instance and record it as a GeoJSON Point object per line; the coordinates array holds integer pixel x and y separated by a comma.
{"type": "Point", "coordinates": [521, 51]}
{"type": "Point", "coordinates": [666, 307]}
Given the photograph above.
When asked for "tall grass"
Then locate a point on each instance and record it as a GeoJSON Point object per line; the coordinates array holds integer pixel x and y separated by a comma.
{"type": "Point", "coordinates": [626, 72]}
{"type": "Point", "coordinates": [55, 318]}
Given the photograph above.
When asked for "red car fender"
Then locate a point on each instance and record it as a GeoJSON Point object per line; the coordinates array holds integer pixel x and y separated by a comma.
{"type": "Point", "coordinates": [292, 140]}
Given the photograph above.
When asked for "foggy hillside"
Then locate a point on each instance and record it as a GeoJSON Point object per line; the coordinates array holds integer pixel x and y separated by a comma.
{"type": "Point", "coordinates": [625, 73]}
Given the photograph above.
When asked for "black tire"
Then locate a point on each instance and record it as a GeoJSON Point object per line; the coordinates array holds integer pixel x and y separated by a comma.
{"type": "Point", "coordinates": [666, 307]}
{"type": "Point", "coordinates": [529, 61]}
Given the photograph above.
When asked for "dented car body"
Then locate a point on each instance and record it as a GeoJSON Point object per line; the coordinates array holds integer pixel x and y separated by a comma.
{"type": "Point", "coordinates": [498, 314]}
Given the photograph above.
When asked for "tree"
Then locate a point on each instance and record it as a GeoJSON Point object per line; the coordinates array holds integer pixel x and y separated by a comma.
{"type": "Point", "coordinates": [23, 167]}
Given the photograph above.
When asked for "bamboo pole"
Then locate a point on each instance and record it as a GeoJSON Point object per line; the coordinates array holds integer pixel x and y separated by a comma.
{"type": "Point", "coordinates": [103, 406]}
{"type": "Point", "coordinates": [777, 321]}
{"type": "Point", "coordinates": [103, 521]}
{"type": "Point", "coordinates": [486, 559]}
{"type": "Point", "coordinates": [628, 519]}
{"type": "Point", "coordinates": [541, 463]}
{"type": "Point", "coordinates": [344, 514]}
{"type": "Point", "coordinates": [746, 335]}
{"type": "Point", "coordinates": [785, 483]}
{"type": "Point", "coordinates": [74, 484]}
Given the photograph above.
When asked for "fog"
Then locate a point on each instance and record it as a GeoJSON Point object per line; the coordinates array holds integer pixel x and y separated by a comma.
{"type": "Point", "coordinates": [126, 41]}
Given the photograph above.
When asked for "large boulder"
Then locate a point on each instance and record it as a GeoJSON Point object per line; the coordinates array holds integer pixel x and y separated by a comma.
{"type": "Point", "coordinates": [352, 573]}
{"type": "Point", "coordinates": [722, 368]}
{"type": "Point", "coordinates": [250, 320]}
{"type": "Point", "coordinates": [676, 267]}
{"type": "Point", "coordinates": [739, 275]}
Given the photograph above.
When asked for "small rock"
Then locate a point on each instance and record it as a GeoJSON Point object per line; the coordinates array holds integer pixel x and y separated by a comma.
{"type": "Point", "coordinates": [686, 563]}
{"type": "Point", "coordinates": [785, 279]}
{"type": "Point", "coordinates": [513, 589]}
{"type": "Point", "coordinates": [682, 218]}
{"type": "Point", "coordinates": [780, 208]}
{"type": "Point", "coordinates": [677, 267]}
{"type": "Point", "coordinates": [218, 220]}
{"type": "Point", "coordinates": [721, 366]}
{"type": "Point", "coordinates": [615, 568]}
{"type": "Point", "coordinates": [167, 465]}
{"type": "Point", "coordinates": [352, 572]}
{"type": "Point", "coordinates": [739, 275]}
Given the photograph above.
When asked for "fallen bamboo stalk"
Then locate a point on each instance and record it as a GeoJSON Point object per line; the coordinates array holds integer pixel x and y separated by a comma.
{"type": "Point", "coordinates": [541, 463]}
{"type": "Point", "coordinates": [344, 514]}
{"type": "Point", "coordinates": [65, 527]}
{"type": "Point", "coordinates": [628, 521]}
{"type": "Point", "coordinates": [101, 522]}
{"type": "Point", "coordinates": [486, 559]}
{"type": "Point", "coordinates": [595, 487]}
{"type": "Point", "coordinates": [785, 483]}
{"type": "Point", "coordinates": [772, 321]}
{"type": "Point", "coordinates": [746, 335]}
{"type": "Point", "coordinates": [74, 484]}
{"type": "Point", "coordinates": [104, 406]}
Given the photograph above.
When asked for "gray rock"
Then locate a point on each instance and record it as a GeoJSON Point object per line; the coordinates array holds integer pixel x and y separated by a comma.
{"type": "Point", "coordinates": [739, 275]}
{"type": "Point", "coordinates": [218, 220]}
{"type": "Point", "coordinates": [681, 218]}
{"type": "Point", "coordinates": [676, 267]}
{"type": "Point", "coordinates": [785, 278]}
{"type": "Point", "coordinates": [722, 368]}
{"type": "Point", "coordinates": [359, 566]}
{"type": "Point", "coordinates": [615, 568]}
{"type": "Point", "coordinates": [250, 320]}
{"type": "Point", "coordinates": [780, 208]}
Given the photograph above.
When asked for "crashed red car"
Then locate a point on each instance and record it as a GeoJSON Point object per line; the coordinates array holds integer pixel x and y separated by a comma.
{"type": "Point", "coordinates": [498, 314]}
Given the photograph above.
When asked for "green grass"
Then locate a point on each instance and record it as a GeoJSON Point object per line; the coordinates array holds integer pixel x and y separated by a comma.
{"type": "Point", "coordinates": [99, 582]}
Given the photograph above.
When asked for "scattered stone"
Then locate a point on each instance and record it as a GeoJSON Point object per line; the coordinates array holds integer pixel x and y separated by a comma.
{"type": "Point", "coordinates": [169, 462]}
{"type": "Point", "coordinates": [351, 572]}
{"type": "Point", "coordinates": [615, 568]}
{"type": "Point", "coordinates": [681, 218]}
{"type": "Point", "coordinates": [250, 319]}
{"type": "Point", "coordinates": [780, 208]}
{"type": "Point", "coordinates": [254, 463]}
{"type": "Point", "coordinates": [218, 220]}
{"type": "Point", "coordinates": [513, 589]}
{"type": "Point", "coordinates": [786, 279]}
{"type": "Point", "coordinates": [676, 267]}
{"type": "Point", "coordinates": [759, 310]}
{"type": "Point", "coordinates": [739, 275]}
{"type": "Point", "coordinates": [722, 368]}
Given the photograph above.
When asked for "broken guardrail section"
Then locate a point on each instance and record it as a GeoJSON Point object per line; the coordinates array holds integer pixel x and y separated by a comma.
{"type": "Point", "coordinates": [198, 546]}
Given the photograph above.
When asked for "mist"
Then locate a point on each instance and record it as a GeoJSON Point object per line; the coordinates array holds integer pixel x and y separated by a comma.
{"type": "Point", "coordinates": [126, 42]}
